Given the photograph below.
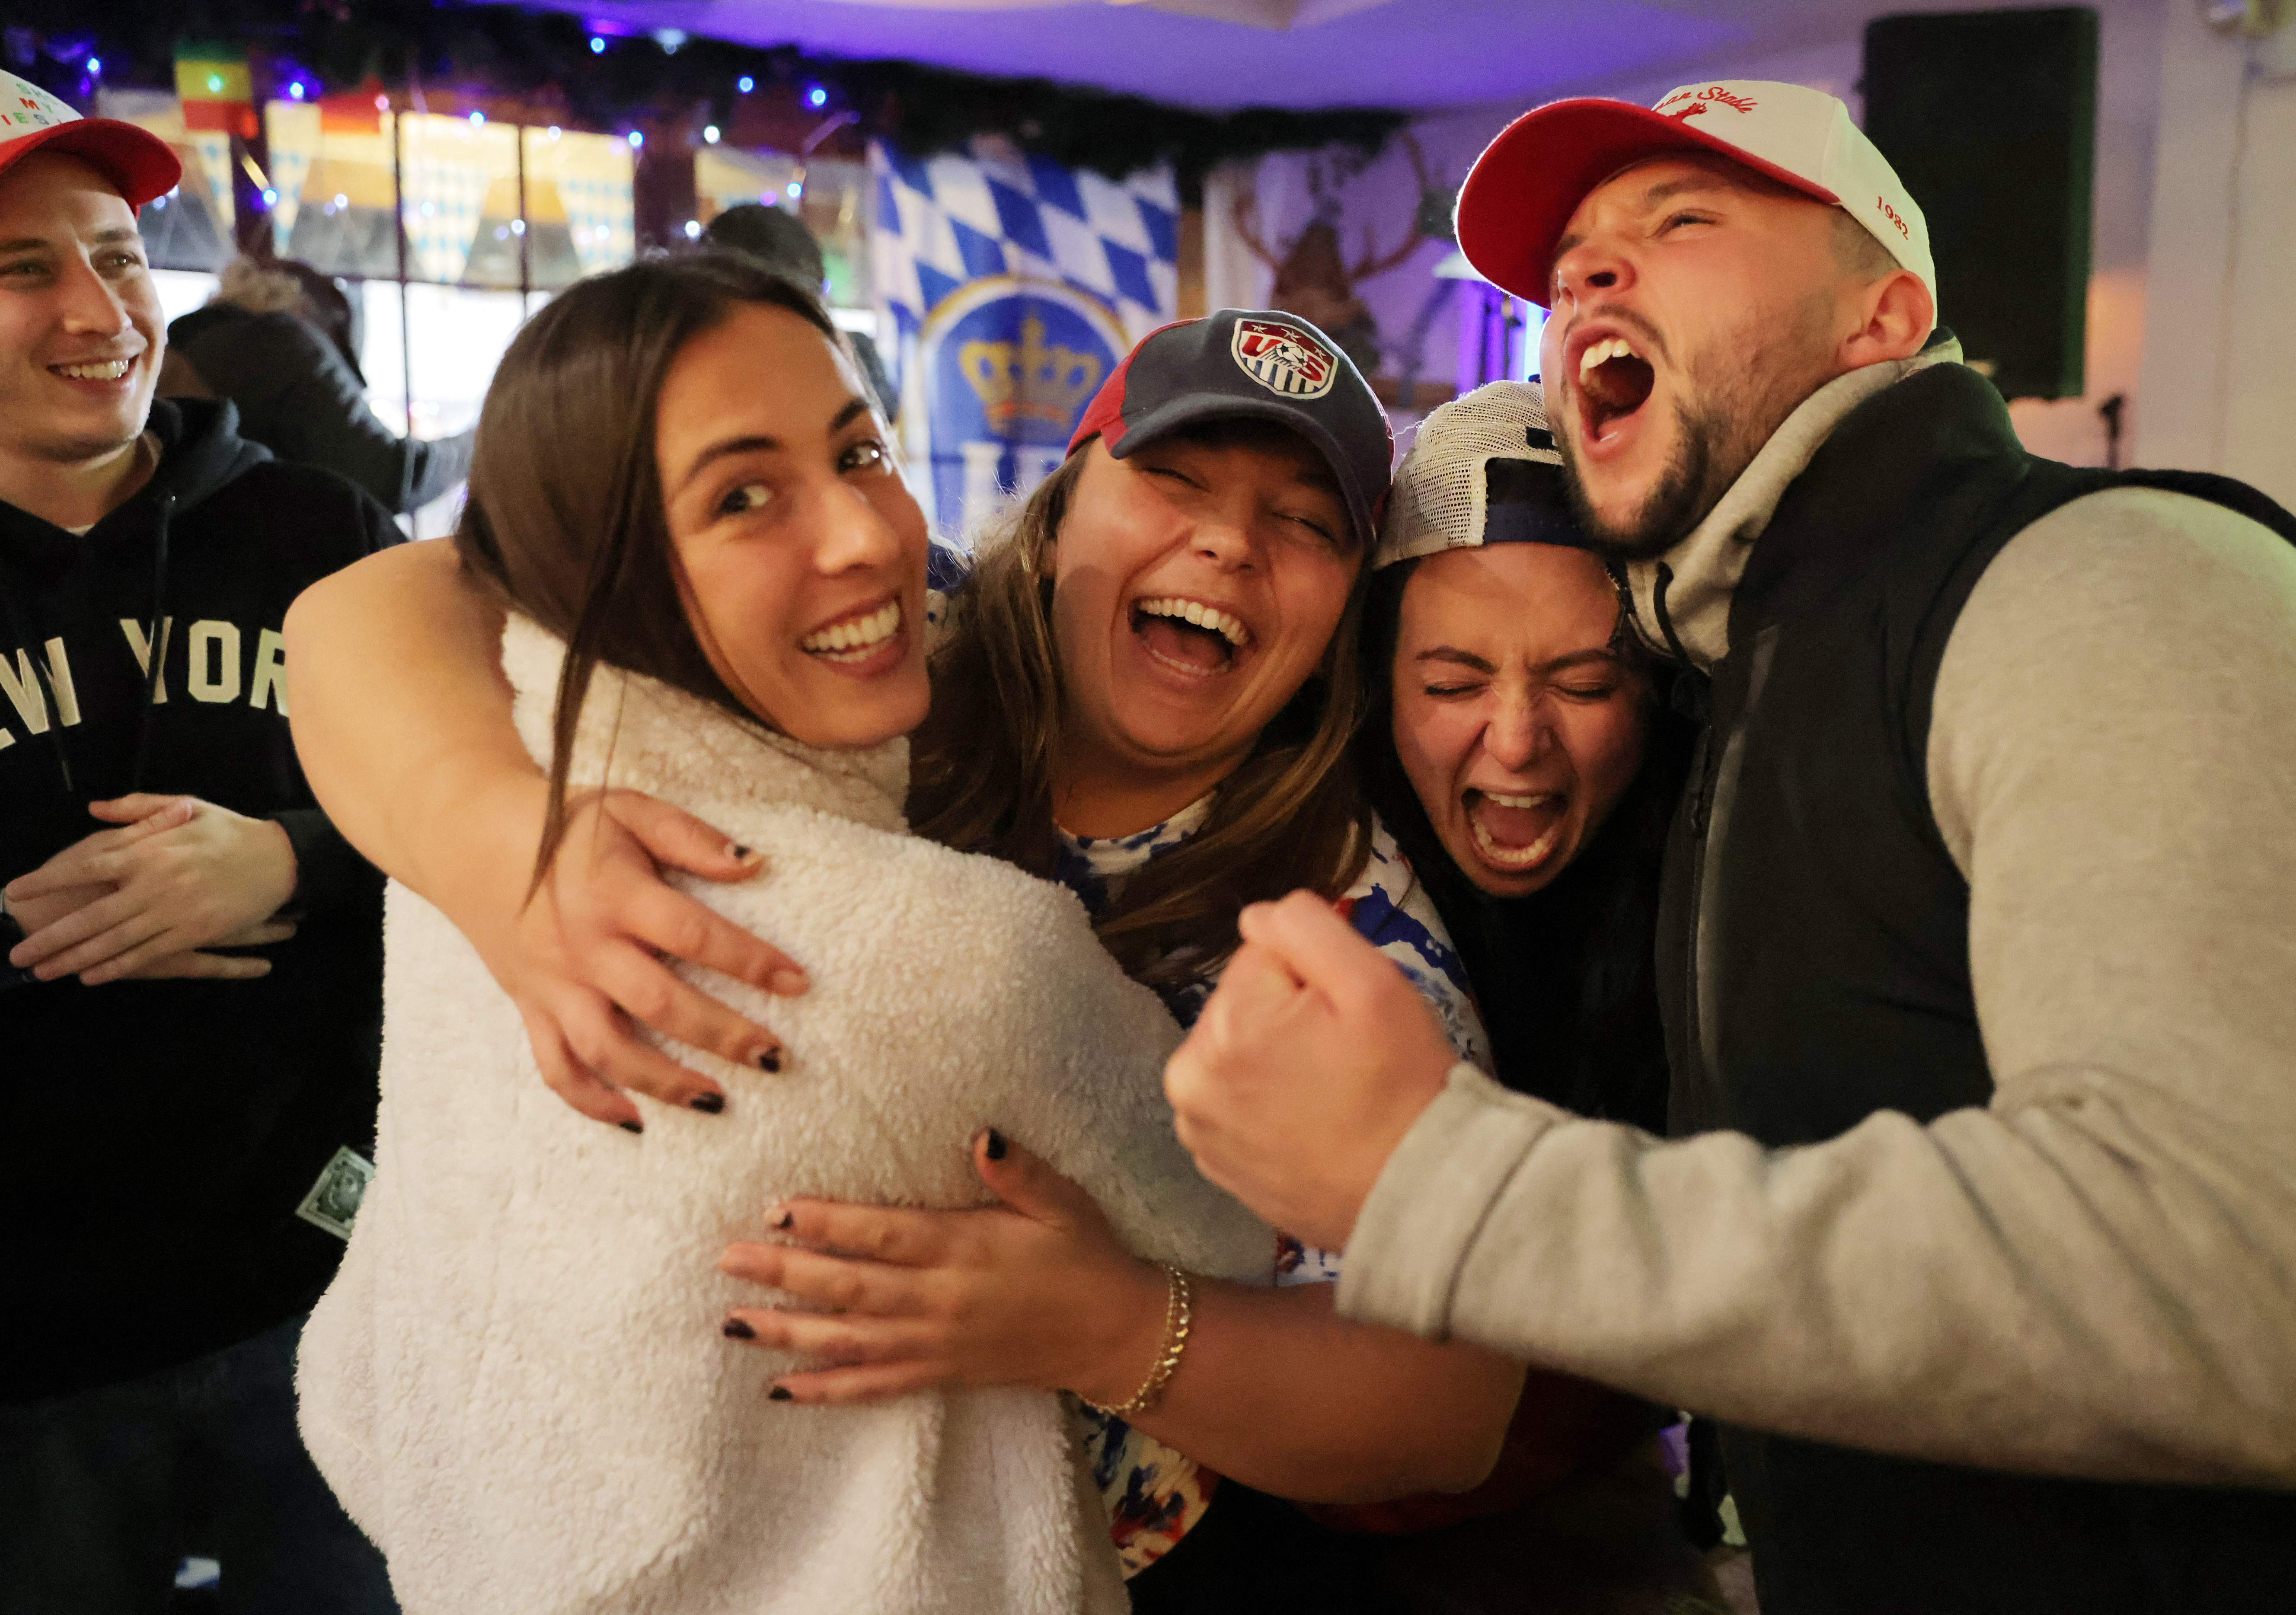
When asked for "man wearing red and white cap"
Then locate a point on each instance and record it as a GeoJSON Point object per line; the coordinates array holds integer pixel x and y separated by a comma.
{"type": "Point", "coordinates": [1979, 1233]}
{"type": "Point", "coordinates": [190, 1003]}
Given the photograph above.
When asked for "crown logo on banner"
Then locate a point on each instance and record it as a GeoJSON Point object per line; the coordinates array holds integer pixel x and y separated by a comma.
{"type": "Point", "coordinates": [1028, 382]}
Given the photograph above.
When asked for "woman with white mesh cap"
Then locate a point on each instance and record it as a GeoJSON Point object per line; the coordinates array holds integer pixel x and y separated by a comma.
{"type": "Point", "coordinates": [1520, 750]}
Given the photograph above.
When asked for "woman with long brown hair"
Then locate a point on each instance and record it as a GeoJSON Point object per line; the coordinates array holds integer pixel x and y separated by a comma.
{"type": "Point", "coordinates": [715, 593]}
{"type": "Point", "coordinates": [1146, 691]}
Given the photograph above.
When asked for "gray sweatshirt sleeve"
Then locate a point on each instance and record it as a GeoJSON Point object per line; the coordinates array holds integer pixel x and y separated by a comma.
{"type": "Point", "coordinates": [2095, 1274]}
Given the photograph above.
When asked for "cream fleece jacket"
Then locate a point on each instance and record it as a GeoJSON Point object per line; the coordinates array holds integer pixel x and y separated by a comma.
{"type": "Point", "coordinates": [2095, 1274]}
{"type": "Point", "coordinates": [517, 1384]}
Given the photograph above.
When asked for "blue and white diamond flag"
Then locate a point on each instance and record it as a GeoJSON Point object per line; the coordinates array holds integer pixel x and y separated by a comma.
{"type": "Point", "coordinates": [1012, 287]}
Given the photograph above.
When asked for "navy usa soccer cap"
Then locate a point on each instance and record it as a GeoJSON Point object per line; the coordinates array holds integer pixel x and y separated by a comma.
{"type": "Point", "coordinates": [1252, 365]}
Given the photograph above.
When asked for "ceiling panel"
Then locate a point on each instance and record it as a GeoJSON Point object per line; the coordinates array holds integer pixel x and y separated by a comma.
{"type": "Point", "coordinates": [1409, 54]}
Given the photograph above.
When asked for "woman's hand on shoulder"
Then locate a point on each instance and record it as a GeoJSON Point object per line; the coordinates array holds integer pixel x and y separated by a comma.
{"type": "Point", "coordinates": [421, 767]}
{"type": "Point", "coordinates": [1035, 1291]}
{"type": "Point", "coordinates": [588, 961]}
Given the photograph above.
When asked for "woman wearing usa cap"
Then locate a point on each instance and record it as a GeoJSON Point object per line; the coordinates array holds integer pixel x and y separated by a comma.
{"type": "Point", "coordinates": [1148, 692]}
{"type": "Point", "coordinates": [1520, 750]}
{"type": "Point", "coordinates": [1496, 667]}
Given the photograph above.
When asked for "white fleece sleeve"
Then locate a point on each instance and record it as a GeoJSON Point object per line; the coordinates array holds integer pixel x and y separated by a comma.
{"type": "Point", "coordinates": [2095, 1274]}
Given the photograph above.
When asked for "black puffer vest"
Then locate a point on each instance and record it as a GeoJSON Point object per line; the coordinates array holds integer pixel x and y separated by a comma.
{"type": "Point", "coordinates": [1813, 969]}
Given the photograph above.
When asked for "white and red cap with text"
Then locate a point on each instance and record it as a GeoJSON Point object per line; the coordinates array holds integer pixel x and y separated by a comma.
{"type": "Point", "coordinates": [140, 163]}
{"type": "Point", "coordinates": [1526, 184]}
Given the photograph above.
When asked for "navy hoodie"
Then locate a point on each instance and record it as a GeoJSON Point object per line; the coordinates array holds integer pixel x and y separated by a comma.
{"type": "Point", "coordinates": [161, 1134]}
{"type": "Point", "coordinates": [304, 401]}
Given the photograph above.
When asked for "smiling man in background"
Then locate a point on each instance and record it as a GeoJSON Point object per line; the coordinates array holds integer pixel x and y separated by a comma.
{"type": "Point", "coordinates": [1979, 1228]}
{"type": "Point", "coordinates": [180, 1162]}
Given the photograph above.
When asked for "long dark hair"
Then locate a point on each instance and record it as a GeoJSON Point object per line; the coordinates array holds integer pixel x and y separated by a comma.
{"type": "Point", "coordinates": [564, 520]}
{"type": "Point", "coordinates": [1566, 978]}
{"type": "Point", "coordinates": [1291, 815]}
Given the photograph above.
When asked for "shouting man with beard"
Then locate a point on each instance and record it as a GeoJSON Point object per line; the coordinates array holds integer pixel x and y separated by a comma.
{"type": "Point", "coordinates": [1979, 1228]}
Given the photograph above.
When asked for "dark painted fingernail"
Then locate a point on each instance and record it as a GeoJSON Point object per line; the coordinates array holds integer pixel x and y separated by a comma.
{"type": "Point", "coordinates": [995, 1147]}
{"type": "Point", "coordinates": [633, 1127]}
{"type": "Point", "coordinates": [770, 1061]}
{"type": "Point", "coordinates": [708, 1103]}
{"type": "Point", "coordinates": [787, 1220]}
{"type": "Point", "coordinates": [740, 853]}
{"type": "Point", "coordinates": [780, 1393]}
{"type": "Point", "coordinates": [736, 1330]}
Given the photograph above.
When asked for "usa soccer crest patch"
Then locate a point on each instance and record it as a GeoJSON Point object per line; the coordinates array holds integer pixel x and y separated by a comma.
{"type": "Point", "coordinates": [1283, 358]}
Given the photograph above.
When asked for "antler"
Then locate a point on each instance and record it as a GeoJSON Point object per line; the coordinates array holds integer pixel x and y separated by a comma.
{"type": "Point", "coordinates": [1418, 160]}
{"type": "Point", "coordinates": [1373, 264]}
{"type": "Point", "coordinates": [1242, 210]}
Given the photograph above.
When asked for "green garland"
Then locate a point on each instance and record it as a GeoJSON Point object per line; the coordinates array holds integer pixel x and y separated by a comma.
{"type": "Point", "coordinates": [505, 51]}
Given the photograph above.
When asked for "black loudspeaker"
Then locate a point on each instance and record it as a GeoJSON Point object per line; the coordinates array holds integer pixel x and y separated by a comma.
{"type": "Point", "coordinates": [1990, 119]}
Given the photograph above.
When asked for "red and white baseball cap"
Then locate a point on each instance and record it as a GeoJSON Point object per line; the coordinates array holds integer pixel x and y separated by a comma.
{"type": "Point", "coordinates": [1526, 184]}
{"type": "Point", "coordinates": [138, 161]}
{"type": "Point", "coordinates": [1253, 365]}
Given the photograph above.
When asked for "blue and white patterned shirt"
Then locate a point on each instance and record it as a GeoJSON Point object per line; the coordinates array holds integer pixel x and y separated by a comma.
{"type": "Point", "coordinates": [1155, 1494]}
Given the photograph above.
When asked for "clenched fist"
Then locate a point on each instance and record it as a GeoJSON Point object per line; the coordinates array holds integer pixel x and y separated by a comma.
{"type": "Point", "coordinates": [1305, 1071]}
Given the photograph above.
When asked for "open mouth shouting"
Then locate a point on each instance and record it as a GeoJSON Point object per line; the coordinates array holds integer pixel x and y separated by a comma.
{"type": "Point", "coordinates": [1189, 637]}
{"type": "Point", "coordinates": [1515, 833]}
{"type": "Point", "coordinates": [1612, 381]}
{"type": "Point", "coordinates": [860, 641]}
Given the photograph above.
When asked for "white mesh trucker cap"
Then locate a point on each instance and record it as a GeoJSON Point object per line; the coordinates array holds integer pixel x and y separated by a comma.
{"type": "Point", "coordinates": [1483, 469]}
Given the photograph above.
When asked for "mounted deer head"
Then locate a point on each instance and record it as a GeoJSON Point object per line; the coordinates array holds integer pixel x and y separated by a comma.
{"type": "Point", "coordinates": [1313, 278]}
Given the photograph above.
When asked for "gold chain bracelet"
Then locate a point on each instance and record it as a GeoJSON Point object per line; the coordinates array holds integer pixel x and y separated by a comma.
{"type": "Point", "coordinates": [1179, 1313]}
